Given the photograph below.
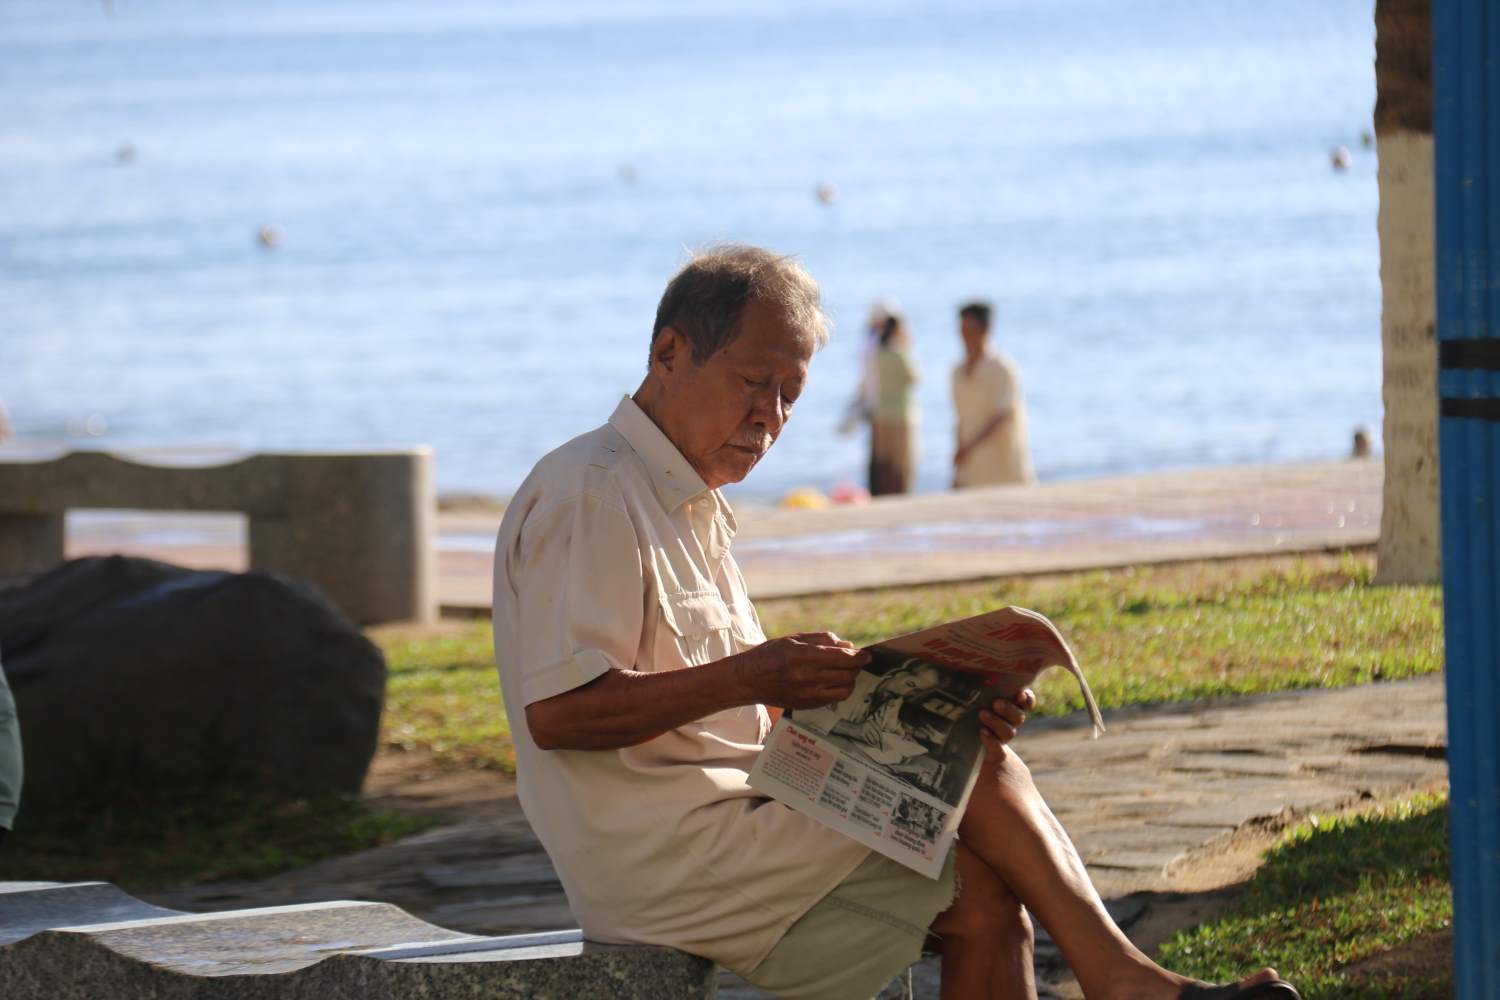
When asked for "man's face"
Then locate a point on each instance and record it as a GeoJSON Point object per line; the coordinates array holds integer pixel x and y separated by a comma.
{"type": "Point", "coordinates": [905, 684]}
{"type": "Point", "coordinates": [973, 333]}
{"type": "Point", "coordinates": [724, 414]}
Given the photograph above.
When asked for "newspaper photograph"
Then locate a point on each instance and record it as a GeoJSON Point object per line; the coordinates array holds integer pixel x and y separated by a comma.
{"type": "Point", "coordinates": [892, 765]}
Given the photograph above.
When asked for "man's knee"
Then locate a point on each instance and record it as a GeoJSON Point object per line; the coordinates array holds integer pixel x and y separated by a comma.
{"type": "Point", "coordinates": [1007, 776]}
{"type": "Point", "coordinates": [986, 909]}
{"type": "Point", "coordinates": [991, 919]}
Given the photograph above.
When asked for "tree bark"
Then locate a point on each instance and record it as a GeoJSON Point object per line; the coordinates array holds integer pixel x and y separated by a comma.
{"type": "Point", "coordinates": [1410, 524]}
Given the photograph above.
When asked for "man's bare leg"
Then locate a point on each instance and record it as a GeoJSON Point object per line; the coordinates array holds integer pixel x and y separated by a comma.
{"type": "Point", "coordinates": [1010, 828]}
{"type": "Point", "coordinates": [985, 938]}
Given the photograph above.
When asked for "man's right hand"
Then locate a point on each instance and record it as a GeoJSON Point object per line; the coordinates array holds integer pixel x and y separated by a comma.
{"type": "Point", "coordinates": [800, 671]}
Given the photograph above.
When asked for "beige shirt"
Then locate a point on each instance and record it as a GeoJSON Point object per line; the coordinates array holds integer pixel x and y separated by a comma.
{"type": "Point", "coordinates": [994, 387]}
{"type": "Point", "coordinates": [614, 554]}
{"type": "Point", "coordinates": [895, 402]}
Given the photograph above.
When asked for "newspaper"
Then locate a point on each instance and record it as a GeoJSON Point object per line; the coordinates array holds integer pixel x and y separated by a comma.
{"type": "Point", "coordinates": [893, 764]}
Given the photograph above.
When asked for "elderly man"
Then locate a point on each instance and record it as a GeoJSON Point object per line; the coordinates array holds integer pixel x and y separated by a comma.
{"type": "Point", "coordinates": [636, 677]}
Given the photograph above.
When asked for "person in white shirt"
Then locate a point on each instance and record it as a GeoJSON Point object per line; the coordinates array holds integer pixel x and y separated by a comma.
{"type": "Point", "coordinates": [636, 679]}
{"type": "Point", "coordinates": [992, 447]}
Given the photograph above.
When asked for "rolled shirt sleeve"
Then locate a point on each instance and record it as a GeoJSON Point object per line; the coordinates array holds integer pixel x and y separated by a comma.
{"type": "Point", "coordinates": [578, 580]}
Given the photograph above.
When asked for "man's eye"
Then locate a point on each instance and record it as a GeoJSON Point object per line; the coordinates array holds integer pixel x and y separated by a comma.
{"type": "Point", "coordinates": [754, 383]}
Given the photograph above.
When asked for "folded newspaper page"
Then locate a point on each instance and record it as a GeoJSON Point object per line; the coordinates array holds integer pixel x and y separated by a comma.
{"type": "Point", "coordinates": [893, 764]}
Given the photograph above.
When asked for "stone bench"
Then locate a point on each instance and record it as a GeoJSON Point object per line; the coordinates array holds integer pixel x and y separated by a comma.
{"type": "Point", "coordinates": [90, 939]}
{"type": "Point", "coordinates": [360, 526]}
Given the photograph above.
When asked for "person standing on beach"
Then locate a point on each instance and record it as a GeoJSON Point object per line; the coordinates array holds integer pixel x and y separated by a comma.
{"type": "Point", "coordinates": [861, 407]}
{"type": "Point", "coordinates": [893, 428]}
{"type": "Point", "coordinates": [992, 445]}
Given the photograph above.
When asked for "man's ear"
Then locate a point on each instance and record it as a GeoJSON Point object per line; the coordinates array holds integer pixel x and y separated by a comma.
{"type": "Point", "coordinates": [669, 351]}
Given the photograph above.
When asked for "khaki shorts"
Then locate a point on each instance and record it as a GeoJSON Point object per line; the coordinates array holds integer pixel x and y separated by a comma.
{"type": "Point", "coordinates": [860, 936]}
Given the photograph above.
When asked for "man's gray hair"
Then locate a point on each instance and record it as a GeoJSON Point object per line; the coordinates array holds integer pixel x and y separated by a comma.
{"type": "Point", "coordinates": [703, 301]}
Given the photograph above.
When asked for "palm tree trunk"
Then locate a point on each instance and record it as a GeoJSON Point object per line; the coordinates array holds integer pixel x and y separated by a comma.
{"type": "Point", "coordinates": [1410, 530]}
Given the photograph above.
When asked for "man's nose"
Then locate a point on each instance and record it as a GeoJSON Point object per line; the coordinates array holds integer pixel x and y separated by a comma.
{"type": "Point", "coordinates": [770, 410]}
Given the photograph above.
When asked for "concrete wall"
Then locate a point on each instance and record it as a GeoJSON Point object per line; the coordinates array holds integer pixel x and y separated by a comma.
{"type": "Point", "coordinates": [1410, 532]}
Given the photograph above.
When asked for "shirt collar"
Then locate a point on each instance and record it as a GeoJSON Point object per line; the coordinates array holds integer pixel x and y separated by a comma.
{"type": "Point", "coordinates": [674, 480]}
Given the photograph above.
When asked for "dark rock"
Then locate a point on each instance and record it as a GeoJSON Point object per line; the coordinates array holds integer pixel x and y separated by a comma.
{"type": "Point", "coordinates": [132, 671]}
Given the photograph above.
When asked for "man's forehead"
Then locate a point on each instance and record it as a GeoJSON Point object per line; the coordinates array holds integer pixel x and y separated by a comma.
{"type": "Point", "coordinates": [768, 334]}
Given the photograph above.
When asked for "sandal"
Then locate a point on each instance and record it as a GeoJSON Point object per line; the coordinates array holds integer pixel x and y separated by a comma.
{"type": "Point", "coordinates": [1276, 989]}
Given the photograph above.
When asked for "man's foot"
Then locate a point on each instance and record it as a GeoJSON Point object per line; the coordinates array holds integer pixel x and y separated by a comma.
{"type": "Point", "coordinates": [1156, 983]}
{"type": "Point", "coordinates": [1264, 985]}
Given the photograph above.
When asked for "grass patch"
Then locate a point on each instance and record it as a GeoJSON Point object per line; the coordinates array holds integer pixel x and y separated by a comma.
{"type": "Point", "coordinates": [1149, 634]}
{"type": "Point", "coordinates": [1332, 898]}
{"type": "Point", "coordinates": [443, 697]}
{"type": "Point", "coordinates": [192, 837]}
{"type": "Point", "coordinates": [1178, 633]}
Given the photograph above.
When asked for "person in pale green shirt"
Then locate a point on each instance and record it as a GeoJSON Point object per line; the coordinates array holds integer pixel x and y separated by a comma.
{"type": "Point", "coordinates": [894, 423]}
{"type": "Point", "coordinates": [10, 758]}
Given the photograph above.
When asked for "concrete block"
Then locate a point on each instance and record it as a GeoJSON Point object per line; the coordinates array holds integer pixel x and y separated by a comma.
{"type": "Point", "coordinates": [359, 526]}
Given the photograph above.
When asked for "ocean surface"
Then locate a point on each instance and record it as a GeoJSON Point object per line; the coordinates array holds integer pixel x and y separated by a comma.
{"type": "Point", "coordinates": [479, 203]}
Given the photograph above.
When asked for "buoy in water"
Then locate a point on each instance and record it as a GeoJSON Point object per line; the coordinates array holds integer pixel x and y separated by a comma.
{"type": "Point", "coordinates": [269, 236]}
{"type": "Point", "coordinates": [849, 494]}
{"type": "Point", "coordinates": [1339, 158]}
{"type": "Point", "coordinates": [804, 498]}
{"type": "Point", "coordinates": [827, 194]}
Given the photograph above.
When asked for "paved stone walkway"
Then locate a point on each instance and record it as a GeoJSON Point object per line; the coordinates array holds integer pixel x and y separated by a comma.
{"type": "Point", "coordinates": [1165, 784]}
{"type": "Point", "coordinates": [932, 537]}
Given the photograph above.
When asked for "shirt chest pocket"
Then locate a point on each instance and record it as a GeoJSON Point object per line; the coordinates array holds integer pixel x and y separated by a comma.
{"type": "Point", "coordinates": [696, 628]}
{"type": "Point", "coordinates": [699, 627]}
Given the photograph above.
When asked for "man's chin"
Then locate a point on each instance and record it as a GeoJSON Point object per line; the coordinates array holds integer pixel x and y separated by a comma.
{"type": "Point", "coordinates": [739, 464]}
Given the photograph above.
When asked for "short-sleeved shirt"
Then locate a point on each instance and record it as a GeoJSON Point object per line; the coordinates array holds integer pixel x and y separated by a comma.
{"type": "Point", "coordinates": [896, 376]}
{"type": "Point", "coordinates": [615, 555]}
{"type": "Point", "coordinates": [991, 389]}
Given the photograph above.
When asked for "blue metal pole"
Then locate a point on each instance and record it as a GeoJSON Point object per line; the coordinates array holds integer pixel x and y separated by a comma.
{"type": "Point", "coordinates": [1466, 135]}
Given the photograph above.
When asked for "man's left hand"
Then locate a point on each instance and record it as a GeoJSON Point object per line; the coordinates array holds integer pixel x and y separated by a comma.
{"type": "Point", "coordinates": [999, 723]}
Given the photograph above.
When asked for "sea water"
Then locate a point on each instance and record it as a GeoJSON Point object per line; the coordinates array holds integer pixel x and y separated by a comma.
{"type": "Point", "coordinates": [476, 205]}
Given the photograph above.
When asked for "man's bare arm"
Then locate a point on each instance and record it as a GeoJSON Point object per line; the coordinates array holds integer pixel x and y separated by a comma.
{"type": "Point", "coordinates": [623, 708]}
{"type": "Point", "coordinates": [996, 422]}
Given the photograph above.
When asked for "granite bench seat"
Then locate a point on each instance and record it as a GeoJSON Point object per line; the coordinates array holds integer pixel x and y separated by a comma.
{"type": "Point", "coordinates": [91, 940]}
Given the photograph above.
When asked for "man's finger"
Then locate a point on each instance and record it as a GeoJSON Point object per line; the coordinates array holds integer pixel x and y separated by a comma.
{"type": "Point", "coordinates": [825, 640]}
{"type": "Point", "coordinates": [1009, 711]}
{"type": "Point", "coordinates": [832, 692]}
{"type": "Point", "coordinates": [820, 639]}
{"type": "Point", "coordinates": [1026, 700]}
{"type": "Point", "coordinates": [825, 679]}
{"type": "Point", "coordinates": [844, 658]}
{"type": "Point", "coordinates": [997, 726]}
